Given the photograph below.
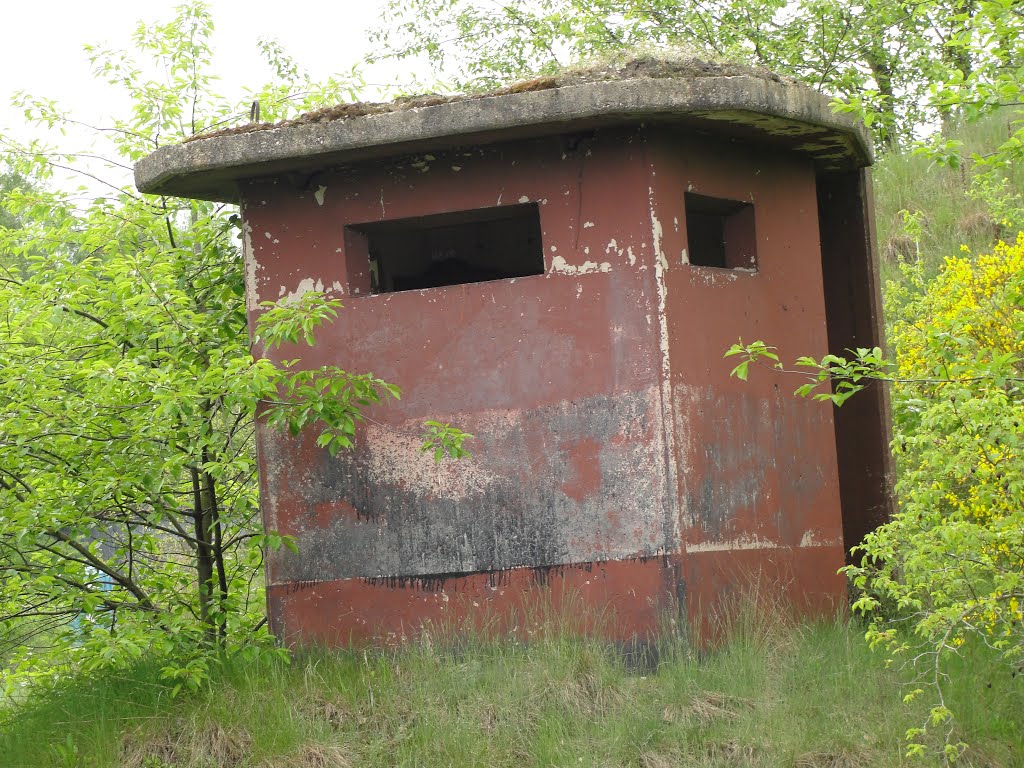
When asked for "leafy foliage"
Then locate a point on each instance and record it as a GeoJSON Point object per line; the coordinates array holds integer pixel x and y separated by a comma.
{"type": "Point", "coordinates": [952, 560]}
{"type": "Point", "coordinates": [949, 566]}
{"type": "Point", "coordinates": [127, 471]}
{"type": "Point", "coordinates": [880, 58]}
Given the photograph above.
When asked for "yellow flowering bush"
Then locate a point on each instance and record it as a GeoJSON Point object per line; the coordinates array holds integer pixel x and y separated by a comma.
{"type": "Point", "coordinates": [949, 566]}
{"type": "Point", "coordinates": [969, 294]}
{"type": "Point", "coordinates": [951, 561]}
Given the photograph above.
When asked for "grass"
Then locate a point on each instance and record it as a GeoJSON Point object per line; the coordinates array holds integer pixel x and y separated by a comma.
{"type": "Point", "coordinates": [779, 693]}
{"type": "Point", "coordinates": [949, 216]}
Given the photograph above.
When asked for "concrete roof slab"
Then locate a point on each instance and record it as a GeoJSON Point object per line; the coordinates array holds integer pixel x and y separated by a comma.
{"type": "Point", "coordinates": [744, 107]}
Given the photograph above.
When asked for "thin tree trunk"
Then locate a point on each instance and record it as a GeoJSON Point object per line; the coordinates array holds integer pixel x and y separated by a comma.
{"type": "Point", "coordinates": [212, 509]}
{"type": "Point", "coordinates": [882, 72]}
{"type": "Point", "coordinates": [204, 555]}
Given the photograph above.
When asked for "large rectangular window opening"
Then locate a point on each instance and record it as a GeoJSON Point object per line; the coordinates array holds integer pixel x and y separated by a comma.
{"type": "Point", "coordinates": [453, 248]}
{"type": "Point", "coordinates": [720, 233]}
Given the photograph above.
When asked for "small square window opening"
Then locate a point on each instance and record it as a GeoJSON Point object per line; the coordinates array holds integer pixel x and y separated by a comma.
{"type": "Point", "coordinates": [720, 233]}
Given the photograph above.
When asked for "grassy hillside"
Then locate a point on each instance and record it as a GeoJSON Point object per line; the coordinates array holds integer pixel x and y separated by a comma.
{"type": "Point", "coordinates": [944, 215]}
{"type": "Point", "coordinates": [779, 694]}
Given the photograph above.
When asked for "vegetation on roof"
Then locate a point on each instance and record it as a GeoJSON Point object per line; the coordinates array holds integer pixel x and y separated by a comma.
{"type": "Point", "coordinates": [653, 65]}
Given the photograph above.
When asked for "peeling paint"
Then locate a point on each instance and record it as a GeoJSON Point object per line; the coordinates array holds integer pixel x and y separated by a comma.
{"type": "Point", "coordinates": [562, 267]}
{"type": "Point", "coordinates": [810, 540]}
{"type": "Point", "coordinates": [667, 432]}
{"type": "Point", "coordinates": [738, 544]}
{"type": "Point", "coordinates": [321, 191]}
{"type": "Point", "coordinates": [396, 458]}
{"type": "Point", "coordinates": [252, 295]}
{"type": "Point", "coordinates": [306, 285]}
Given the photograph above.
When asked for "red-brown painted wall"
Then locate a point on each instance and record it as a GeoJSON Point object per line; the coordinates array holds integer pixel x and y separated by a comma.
{"type": "Point", "coordinates": [617, 470]}
{"type": "Point", "coordinates": [757, 473]}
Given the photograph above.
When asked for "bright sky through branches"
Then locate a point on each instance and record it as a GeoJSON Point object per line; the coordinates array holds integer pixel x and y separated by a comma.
{"type": "Point", "coordinates": [42, 51]}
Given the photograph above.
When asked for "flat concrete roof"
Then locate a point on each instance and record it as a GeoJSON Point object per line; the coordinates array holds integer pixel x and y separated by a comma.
{"type": "Point", "coordinates": [750, 108]}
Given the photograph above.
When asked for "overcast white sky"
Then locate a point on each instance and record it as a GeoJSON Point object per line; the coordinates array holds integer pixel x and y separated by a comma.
{"type": "Point", "coordinates": [41, 46]}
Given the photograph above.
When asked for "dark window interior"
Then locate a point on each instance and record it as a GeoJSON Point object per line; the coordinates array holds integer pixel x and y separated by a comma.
{"type": "Point", "coordinates": [720, 232]}
{"type": "Point", "coordinates": [453, 248]}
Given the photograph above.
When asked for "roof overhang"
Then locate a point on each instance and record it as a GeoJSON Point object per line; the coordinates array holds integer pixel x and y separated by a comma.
{"type": "Point", "coordinates": [749, 108]}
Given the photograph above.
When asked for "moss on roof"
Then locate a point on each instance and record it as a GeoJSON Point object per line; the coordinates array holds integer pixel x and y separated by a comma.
{"type": "Point", "coordinates": [663, 64]}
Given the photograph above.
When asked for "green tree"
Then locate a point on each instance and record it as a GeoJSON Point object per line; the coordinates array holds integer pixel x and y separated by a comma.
{"type": "Point", "coordinates": [129, 509]}
{"type": "Point", "coordinates": [881, 55]}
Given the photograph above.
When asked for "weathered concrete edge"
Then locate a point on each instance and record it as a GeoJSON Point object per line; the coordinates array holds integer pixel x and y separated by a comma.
{"type": "Point", "coordinates": [199, 168]}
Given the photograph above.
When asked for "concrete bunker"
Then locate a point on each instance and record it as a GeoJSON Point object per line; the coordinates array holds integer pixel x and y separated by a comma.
{"type": "Point", "coordinates": [558, 268]}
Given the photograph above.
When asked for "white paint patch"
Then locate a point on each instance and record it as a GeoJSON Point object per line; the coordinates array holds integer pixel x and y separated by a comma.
{"type": "Point", "coordinates": [612, 246]}
{"type": "Point", "coordinates": [252, 295]}
{"type": "Point", "coordinates": [395, 459]}
{"type": "Point", "coordinates": [684, 257]}
{"type": "Point", "coordinates": [808, 540]}
{"type": "Point", "coordinates": [306, 285]}
{"type": "Point", "coordinates": [631, 255]}
{"type": "Point", "coordinates": [321, 191]}
{"type": "Point", "coordinates": [524, 199]}
{"type": "Point", "coordinates": [456, 168]}
{"type": "Point", "coordinates": [658, 236]}
{"type": "Point", "coordinates": [740, 543]}
{"type": "Point", "coordinates": [586, 249]}
{"type": "Point", "coordinates": [588, 224]}
{"type": "Point", "coordinates": [562, 267]}
{"type": "Point", "coordinates": [667, 435]}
